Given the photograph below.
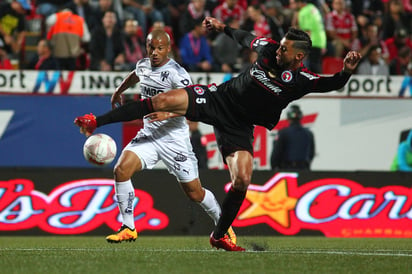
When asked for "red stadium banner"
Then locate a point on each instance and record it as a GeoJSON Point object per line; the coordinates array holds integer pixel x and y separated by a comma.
{"type": "Point", "coordinates": [333, 204]}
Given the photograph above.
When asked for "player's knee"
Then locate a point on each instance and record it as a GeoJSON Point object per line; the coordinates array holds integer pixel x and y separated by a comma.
{"type": "Point", "coordinates": [195, 196]}
{"type": "Point", "coordinates": [194, 190]}
{"type": "Point", "coordinates": [121, 173]}
{"type": "Point", "coordinates": [241, 181]}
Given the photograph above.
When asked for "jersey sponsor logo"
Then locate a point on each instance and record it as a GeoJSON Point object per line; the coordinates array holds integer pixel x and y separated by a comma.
{"type": "Point", "coordinates": [185, 82]}
{"type": "Point", "coordinates": [286, 76]}
{"type": "Point", "coordinates": [164, 75]}
{"type": "Point", "coordinates": [309, 76]}
{"type": "Point", "coordinates": [199, 90]}
{"type": "Point", "coordinates": [261, 77]}
{"type": "Point", "coordinates": [149, 92]}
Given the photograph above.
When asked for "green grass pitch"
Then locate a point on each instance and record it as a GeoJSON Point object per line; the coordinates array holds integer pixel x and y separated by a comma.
{"type": "Point", "coordinates": [148, 254]}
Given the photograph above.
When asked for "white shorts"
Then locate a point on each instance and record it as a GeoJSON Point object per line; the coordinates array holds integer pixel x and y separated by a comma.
{"type": "Point", "coordinates": [176, 154]}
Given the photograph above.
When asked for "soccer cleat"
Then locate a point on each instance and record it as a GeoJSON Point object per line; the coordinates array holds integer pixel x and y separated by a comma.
{"type": "Point", "coordinates": [87, 123]}
{"type": "Point", "coordinates": [224, 243]}
{"type": "Point", "coordinates": [231, 234]}
{"type": "Point", "coordinates": [124, 234]}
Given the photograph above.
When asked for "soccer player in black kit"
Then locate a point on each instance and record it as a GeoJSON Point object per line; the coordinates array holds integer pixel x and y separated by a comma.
{"type": "Point", "coordinates": [255, 97]}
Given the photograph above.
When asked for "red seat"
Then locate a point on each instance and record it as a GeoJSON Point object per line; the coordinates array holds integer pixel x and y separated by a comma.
{"type": "Point", "coordinates": [331, 65]}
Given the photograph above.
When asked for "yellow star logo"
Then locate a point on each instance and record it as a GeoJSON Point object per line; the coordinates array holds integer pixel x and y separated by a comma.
{"type": "Point", "coordinates": [274, 203]}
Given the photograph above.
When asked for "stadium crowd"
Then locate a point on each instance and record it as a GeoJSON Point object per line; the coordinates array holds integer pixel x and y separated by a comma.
{"type": "Point", "coordinates": [106, 35]}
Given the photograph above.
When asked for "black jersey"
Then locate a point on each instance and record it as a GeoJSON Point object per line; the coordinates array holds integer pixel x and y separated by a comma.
{"type": "Point", "coordinates": [260, 98]}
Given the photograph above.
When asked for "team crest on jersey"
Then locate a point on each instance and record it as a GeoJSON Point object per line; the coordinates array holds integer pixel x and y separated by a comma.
{"type": "Point", "coordinates": [287, 76]}
{"type": "Point", "coordinates": [260, 42]}
{"type": "Point", "coordinates": [199, 90]}
{"type": "Point", "coordinates": [180, 157]}
{"type": "Point", "coordinates": [212, 87]}
{"type": "Point", "coordinates": [164, 75]}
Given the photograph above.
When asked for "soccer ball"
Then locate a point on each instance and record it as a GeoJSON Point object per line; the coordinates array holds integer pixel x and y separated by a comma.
{"type": "Point", "coordinates": [99, 149]}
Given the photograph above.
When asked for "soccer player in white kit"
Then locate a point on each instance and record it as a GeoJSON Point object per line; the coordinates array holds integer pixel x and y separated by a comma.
{"type": "Point", "coordinates": [166, 140]}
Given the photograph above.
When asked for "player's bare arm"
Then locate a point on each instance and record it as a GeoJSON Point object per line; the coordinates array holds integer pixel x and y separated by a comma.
{"type": "Point", "coordinates": [160, 116]}
{"type": "Point", "coordinates": [127, 82]}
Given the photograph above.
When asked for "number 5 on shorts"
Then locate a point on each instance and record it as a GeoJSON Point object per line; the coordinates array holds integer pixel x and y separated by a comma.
{"type": "Point", "coordinates": [201, 101]}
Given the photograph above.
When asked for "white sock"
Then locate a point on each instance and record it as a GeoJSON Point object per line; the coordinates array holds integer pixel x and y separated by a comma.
{"type": "Point", "coordinates": [211, 206]}
{"type": "Point", "coordinates": [125, 198]}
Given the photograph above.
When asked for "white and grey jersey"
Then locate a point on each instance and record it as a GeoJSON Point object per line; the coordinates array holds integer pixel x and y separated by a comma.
{"type": "Point", "coordinates": [155, 80]}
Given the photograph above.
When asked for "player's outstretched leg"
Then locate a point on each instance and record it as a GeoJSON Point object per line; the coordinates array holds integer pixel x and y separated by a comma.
{"type": "Point", "coordinates": [224, 243]}
{"type": "Point", "coordinates": [123, 234]}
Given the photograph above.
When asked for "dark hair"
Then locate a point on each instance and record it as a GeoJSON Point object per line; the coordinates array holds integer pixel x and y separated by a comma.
{"type": "Point", "coordinates": [256, 7]}
{"type": "Point", "coordinates": [294, 113]}
{"type": "Point", "coordinates": [301, 39]}
{"type": "Point", "coordinates": [404, 52]}
{"type": "Point", "coordinates": [47, 43]}
{"type": "Point", "coordinates": [373, 48]}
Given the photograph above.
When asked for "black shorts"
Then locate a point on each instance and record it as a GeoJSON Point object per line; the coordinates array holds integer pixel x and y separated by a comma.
{"type": "Point", "coordinates": [233, 131]}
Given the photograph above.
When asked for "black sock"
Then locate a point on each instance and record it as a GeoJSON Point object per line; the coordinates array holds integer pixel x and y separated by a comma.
{"type": "Point", "coordinates": [230, 208]}
{"type": "Point", "coordinates": [127, 112]}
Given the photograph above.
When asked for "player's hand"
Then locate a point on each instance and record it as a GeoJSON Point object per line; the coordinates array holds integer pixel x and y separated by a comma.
{"type": "Point", "coordinates": [212, 24]}
{"type": "Point", "coordinates": [351, 61]}
{"type": "Point", "coordinates": [116, 100]}
{"type": "Point", "coordinates": [159, 116]}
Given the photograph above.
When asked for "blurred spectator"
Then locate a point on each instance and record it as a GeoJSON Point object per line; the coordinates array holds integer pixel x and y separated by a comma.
{"type": "Point", "coordinates": [276, 20]}
{"type": "Point", "coordinates": [249, 57]}
{"type": "Point", "coordinates": [294, 146]}
{"type": "Point", "coordinates": [260, 23]}
{"type": "Point", "coordinates": [198, 143]}
{"type": "Point", "coordinates": [407, 6]}
{"type": "Point", "coordinates": [143, 11]}
{"type": "Point", "coordinates": [373, 63]}
{"type": "Point", "coordinates": [195, 11]}
{"type": "Point", "coordinates": [403, 157]}
{"type": "Point", "coordinates": [13, 24]}
{"type": "Point", "coordinates": [164, 7]}
{"type": "Point", "coordinates": [4, 58]}
{"type": "Point", "coordinates": [159, 25]}
{"type": "Point", "coordinates": [370, 38]}
{"type": "Point", "coordinates": [47, 7]}
{"type": "Point", "coordinates": [309, 19]}
{"type": "Point", "coordinates": [226, 50]}
{"type": "Point", "coordinates": [195, 51]}
{"type": "Point", "coordinates": [341, 28]}
{"type": "Point", "coordinates": [406, 82]}
{"type": "Point", "coordinates": [105, 50]}
{"type": "Point", "coordinates": [229, 8]}
{"type": "Point", "coordinates": [177, 9]}
{"type": "Point", "coordinates": [86, 11]}
{"type": "Point", "coordinates": [67, 32]}
{"type": "Point", "coordinates": [44, 59]}
{"type": "Point", "coordinates": [365, 12]}
{"type": "Point", "coordinates": [399, 65]}
{"type": "Point", "coordinates": [134, 44]}
{"type": "Point", "coordinates": [398, 41]}
{"type": "Point", "coordinates": [394, 18]}
{"type": "Point", "coordinates": [102, 7]}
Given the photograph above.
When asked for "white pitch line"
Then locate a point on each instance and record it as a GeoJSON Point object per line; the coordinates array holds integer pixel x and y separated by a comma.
{"type": "Point", "coordinates": [280, 252]}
